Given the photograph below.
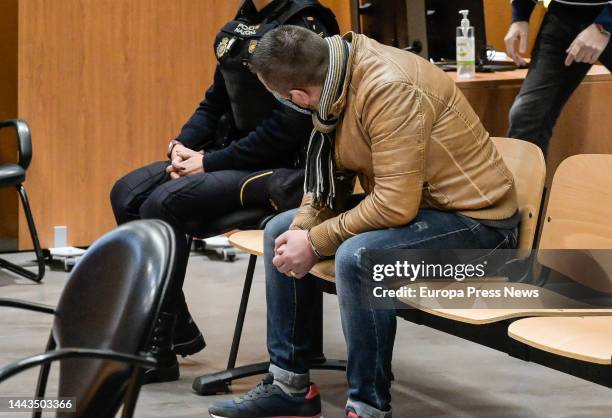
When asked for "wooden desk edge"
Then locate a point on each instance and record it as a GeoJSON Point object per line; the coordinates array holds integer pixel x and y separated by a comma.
{"type": "Point", "coordinates": [598, 73]}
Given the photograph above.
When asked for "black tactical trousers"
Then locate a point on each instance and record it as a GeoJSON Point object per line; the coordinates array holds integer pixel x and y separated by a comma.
{"type": "Point", "coordinates": [187, 203]}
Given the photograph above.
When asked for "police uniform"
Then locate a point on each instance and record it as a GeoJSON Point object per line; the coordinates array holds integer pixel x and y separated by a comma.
{"type": "Point", "coordinates": [241, 127]}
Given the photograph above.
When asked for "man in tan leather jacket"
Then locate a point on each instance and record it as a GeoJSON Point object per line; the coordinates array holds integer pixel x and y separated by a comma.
{"type": "Point", "coordinates": [433, 179]}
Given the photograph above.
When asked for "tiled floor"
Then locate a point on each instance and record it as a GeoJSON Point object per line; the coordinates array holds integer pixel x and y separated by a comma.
{"type": "Point", "coordinates": [437, 375]}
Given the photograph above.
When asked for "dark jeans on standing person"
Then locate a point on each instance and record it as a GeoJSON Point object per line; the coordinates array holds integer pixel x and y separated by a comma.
{"type": "Point", "coordinates": [369, 331]}
{"type": "Point", "coordinates": [549, 83]}
{"type": "Point", "coordinates": [188, 203]}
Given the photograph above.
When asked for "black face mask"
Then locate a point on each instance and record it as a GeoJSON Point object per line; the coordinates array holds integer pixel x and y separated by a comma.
{"type": "Point", "coordinates": [292, 105]}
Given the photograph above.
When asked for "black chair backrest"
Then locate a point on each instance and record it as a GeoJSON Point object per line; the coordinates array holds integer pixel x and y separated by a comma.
{"type": "Point", "coordinates": [24, 140]}
{"type": "Point", "coordinates": [111, 302]}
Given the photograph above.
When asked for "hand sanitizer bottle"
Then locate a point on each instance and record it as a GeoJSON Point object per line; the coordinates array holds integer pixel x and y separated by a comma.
{"type": "Point", "coordinates": [466, 50]}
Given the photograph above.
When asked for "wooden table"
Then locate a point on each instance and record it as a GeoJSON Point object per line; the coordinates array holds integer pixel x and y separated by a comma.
{"type": "Point", "coordinates": [585, 125]}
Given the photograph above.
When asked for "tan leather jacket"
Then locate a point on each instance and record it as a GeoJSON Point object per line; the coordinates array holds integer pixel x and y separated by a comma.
{"type": "Point", "coordinates": [414, 141]}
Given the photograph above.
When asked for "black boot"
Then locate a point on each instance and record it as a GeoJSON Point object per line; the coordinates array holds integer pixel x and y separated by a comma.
{"type": "Point", "coordinates": [187, 337]}
{"type": "Point", "coordinates": [167, 369]}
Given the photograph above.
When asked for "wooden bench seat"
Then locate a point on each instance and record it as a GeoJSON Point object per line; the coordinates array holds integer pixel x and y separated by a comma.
{"type": "Point", "coordinates": [587, 334]}
{"type": "Point", "coordinates": [479, 311]}
{"type": "Point", "coordinates": [580, 338]}
{"type": "Point", "coordinates": [251, 242]}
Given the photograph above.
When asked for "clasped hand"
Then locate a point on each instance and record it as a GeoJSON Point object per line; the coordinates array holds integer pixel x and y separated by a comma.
{"type": "Point", "coordinates": [293, 254]}
{"type": "Point", "coordinates": [185, 162]}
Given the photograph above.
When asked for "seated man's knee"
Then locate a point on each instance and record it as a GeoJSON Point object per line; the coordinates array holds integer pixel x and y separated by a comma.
{"type": "Point", "coordinates": [129, 191]}
{"type": "Point", "coordinates": [277, 226]}
{"type": "Point", "coordinates": [154, 206]}
{"type": "Point", "coordinates": [349, 260]}
{"type": "Point", "coordinates": [122, 202]}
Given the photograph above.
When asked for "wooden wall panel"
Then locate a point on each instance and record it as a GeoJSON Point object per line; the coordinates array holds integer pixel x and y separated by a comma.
{"type": "Point", "coordinates": [342, 10]}
{"type": "Point", "coordinates": [8, 109]}
{"type": "Point", "coordinates": [105, 84]}
{"type": "Point", "coordinates": [582, 128]}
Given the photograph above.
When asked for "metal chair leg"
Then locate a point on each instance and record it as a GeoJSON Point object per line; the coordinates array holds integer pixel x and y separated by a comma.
{"type": "Point", "coordinates": [316, 347]}
{"type": "Point", "coordinates": [189, 243]}
{"type": "Point", "coordinates": [317, 356]}
{"type": "Point", "coordinates": [132, 392]}
{"type": "Point", "coordinates": [219, 382]}
{"type": "Point", "coordinates": [43, 375]}
{"type": "Point", "coordinates": [40, 259]}
{"type": "Point", "coordinates": [216, 383]}
{"type": "Point", "coordinates": [244, 301]}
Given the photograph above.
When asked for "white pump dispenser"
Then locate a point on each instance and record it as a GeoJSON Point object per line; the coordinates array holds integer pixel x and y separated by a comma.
{"type": "Point", "coordinates": [466, 49]}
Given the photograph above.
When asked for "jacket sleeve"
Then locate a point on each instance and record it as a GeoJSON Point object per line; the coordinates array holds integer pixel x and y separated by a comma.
{"type": "Point", "coordinates": [278, 138]}
{"type": "Point", "coordinates": [202, 125]}
{"type": "Point", "coordinates": [270, 145]}
{"type": "Point", "coordinates": [397, 121]}
{"type": "Point", "coordinates": [605, 17]}
{"type": "Point", "coordinates": [521, 9]}
{"type": "Point", "coordinates": [308, 216]}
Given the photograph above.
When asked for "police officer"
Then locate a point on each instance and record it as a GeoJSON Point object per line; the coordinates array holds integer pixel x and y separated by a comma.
{"type": "Point", "coordinates": [238, 130]}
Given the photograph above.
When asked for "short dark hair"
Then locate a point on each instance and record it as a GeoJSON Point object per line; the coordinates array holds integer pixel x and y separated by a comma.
{"type": "Point", "coordinates": [290, 57]}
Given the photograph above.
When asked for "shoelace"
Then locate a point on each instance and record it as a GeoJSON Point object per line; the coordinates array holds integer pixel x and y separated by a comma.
{"type": "Point", "coordinates": [264, 388]}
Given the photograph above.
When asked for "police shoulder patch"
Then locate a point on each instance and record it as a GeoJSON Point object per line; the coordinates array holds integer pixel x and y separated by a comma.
{"type": "Point", "coordinates": [222, 47]}
{"type": "Point", "coordinates": [252, 46]}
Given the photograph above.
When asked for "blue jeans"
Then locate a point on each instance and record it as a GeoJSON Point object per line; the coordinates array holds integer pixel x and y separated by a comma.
{"type": "Point", "coordinates": [369, 332]}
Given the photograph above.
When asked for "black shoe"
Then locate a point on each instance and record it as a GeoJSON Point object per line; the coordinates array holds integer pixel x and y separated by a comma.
{"type": "Point", "coordinates": [167, 369]}
{"type": "Point", "coordinates": [188, 339]}
{"type": "Point", "coordinates": [268, 400]}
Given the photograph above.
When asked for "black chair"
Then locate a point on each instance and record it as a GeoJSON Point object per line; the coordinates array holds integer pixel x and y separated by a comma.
{"type": "Point", "coordinates": [13, 175]}
{"type": "Point", "coordinates": [104, 320]}
{"type": "Point", "coordinates": [252, 218]}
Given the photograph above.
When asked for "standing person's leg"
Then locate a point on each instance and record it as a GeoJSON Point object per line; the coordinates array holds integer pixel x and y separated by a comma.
{"type": "Point", "coordinates": [549, 83]}
{"type": "Point", "coordinates": [368, 327]}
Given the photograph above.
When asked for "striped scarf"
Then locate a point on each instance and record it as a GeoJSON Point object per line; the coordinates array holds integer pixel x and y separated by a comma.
{"type": "Point", "coordinates": [320, 168]}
